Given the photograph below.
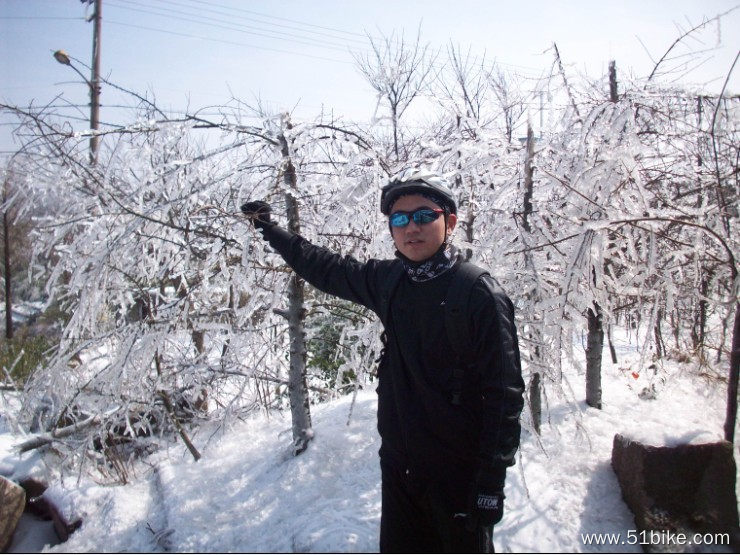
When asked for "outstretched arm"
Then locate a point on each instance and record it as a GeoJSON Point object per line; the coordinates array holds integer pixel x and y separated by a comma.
{"type": "Point", "coordinates": [337, 275]}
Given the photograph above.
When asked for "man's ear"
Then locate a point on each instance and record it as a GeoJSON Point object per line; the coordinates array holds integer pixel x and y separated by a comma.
{"type": "Point", "coordinates": [451, 223]}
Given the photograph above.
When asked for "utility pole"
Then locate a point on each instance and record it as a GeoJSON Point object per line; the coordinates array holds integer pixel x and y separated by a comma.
{"type": "Point", "coordinates": [95, 81]}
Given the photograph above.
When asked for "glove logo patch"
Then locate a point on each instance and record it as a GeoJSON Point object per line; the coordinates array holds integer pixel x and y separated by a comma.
{"type": "Point", "coordinates": [488, 502]}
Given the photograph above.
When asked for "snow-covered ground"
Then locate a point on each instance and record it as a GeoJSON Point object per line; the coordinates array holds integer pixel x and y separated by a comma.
{"type": "Point", "coordinates": [248, 495]}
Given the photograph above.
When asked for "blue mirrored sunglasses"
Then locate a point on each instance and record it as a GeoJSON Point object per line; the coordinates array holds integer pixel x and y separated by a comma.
{"type": "Point", "coordinates": [420, 216]}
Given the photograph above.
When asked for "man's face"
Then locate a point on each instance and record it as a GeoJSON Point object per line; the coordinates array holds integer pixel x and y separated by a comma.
{"type": "Point", "coordinates": [418, 242]}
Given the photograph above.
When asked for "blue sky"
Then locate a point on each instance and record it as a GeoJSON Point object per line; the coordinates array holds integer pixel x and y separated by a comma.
{"type": "Point", "coordinates": [295, 55]}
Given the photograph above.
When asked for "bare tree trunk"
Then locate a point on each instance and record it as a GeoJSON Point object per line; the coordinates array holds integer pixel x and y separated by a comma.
{"type": "Point", "coordinates": [676, 328]}
{"type": "Point", "coordinates": [703, 304]}
{"type": "Point", "coordinates": [162, 394]}
{"type": "Point", "coordinates": [232, 304]}
{"type": "Point", "coordinates": [535, 401]}
{"type": "Point", "coordinates": [470, 215]}
{"type": "Point", "coordinates": [659, 343]}
{"type": "Point", "coordinates": [613, 96]}
{"type": "Point", "coordinates": [535, 382]}
{"type": "Point", "coordinates": [6, 266]}
{"type": "Point", "coordinates": [594, 349]}
{"type": "Point", "coordinates": [199, 340]}
{"type": "Point", "coordinates": [394, 120]}
{"type": "Point", "coordinates": [699, 112]}
{"type": "Point", "coordinates": [178, 426]}
{"type": "Point", "coordinates": [8, 278]}
{"type": "Point", "coordinates": [699, 320]}
{"type": "Point", "coordinates": [470, 231]}
{"type": "Point", "coordinates": [732, 383]}
{"type": "Point", "coordinates": [528, 179]}
{"type": "Point", "coordinates": [612, 350]}
{"type": "Point", "coordinates": [297, 386]}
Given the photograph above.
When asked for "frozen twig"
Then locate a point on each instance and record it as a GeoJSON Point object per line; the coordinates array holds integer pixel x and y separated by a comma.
{"type": "Point", "coordinates": [59, 433]}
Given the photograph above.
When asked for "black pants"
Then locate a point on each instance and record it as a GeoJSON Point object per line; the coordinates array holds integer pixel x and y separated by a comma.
{"type": "Point", "coordinates": [421, 517]}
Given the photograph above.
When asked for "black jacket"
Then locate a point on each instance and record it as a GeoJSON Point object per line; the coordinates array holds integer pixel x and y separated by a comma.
{"type": "Point", "coordinates": [421, 430]}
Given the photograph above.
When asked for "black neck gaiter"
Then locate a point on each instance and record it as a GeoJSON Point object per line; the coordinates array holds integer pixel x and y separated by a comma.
{"type": "Point", "coordinates": [434, 266]}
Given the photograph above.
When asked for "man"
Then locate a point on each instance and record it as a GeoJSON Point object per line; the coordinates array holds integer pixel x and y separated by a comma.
{"type": "Point", "coordinates": [449, 423]}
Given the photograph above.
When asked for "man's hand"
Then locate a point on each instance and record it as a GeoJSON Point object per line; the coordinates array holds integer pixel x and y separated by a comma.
{"type": "Point", "coordinates": [259, 211]}
{"type": "Point", "coordinates": [486, 500]}
{"type": "Point", "coordinates": [489, 508]}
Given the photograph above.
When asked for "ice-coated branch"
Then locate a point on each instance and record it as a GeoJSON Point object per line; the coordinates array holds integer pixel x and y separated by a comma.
{"type": "Point", "coordinates": [57, 434]}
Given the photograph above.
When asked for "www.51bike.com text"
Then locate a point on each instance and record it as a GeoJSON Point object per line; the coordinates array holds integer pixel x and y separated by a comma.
{"type": "Point", "coordinates": [656, 537]}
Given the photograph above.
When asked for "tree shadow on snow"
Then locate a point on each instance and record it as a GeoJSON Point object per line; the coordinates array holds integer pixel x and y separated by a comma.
{"type": "Point", "coordinates": [326, 499]}
{"type": "Point", "coordinates": [605, 514]}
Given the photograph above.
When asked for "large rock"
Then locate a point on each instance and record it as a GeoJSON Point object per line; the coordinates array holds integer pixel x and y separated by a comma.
{"type": "Point", "coordinates": [62, 526]}
{"type": "Point", "coordinates": [687, 488]}
{"type": "Point", "coordinates": [38, 505]}
{"type": "Point", "coordinates": [35, 504]}
{"type": "Point", "coordinates": [12, 503]}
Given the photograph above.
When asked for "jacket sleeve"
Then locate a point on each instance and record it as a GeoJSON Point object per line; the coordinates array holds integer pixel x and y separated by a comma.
{"type": "Point", "coordinates": [341, 276]}
{"type": "Point", "coordinates": [496, 350]}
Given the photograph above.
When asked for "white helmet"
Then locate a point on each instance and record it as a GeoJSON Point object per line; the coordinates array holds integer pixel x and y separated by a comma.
{"type": "Point", "coordinates": [415, 180]}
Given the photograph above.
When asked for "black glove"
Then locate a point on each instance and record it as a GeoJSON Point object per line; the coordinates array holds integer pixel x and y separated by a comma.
{"type": "Point", "coordinates": [259, 211]}
{"type": "Point", "coordinates": [489, 508]}
{"type": "Point", "coordinates": [487, 498]}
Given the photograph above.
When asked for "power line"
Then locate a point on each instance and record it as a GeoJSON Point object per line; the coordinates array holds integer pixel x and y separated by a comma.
{"type": "Point", "coordinates": [223, 24]}
{"type": "Point", "coordinates": [41, 85]}
{"type": "Point", "coordinates": [267, 16]}
{"type": "Point", "coordinates": [236, 43]}
{"type": "Point", "coordinates": [351, 36]}
{"type": "Point", "coordinates": [247, 45]}
{"type": "Point", "coordinates": [40, 17]}
{"type": "Point", "coordinates": [295, 38]}
{"type": "Point", "coordinates": [223, 41]}
{"type": "Point", "coordinates": [172, 111]}
{"type": "Point", "coordinates": [362, 37]}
